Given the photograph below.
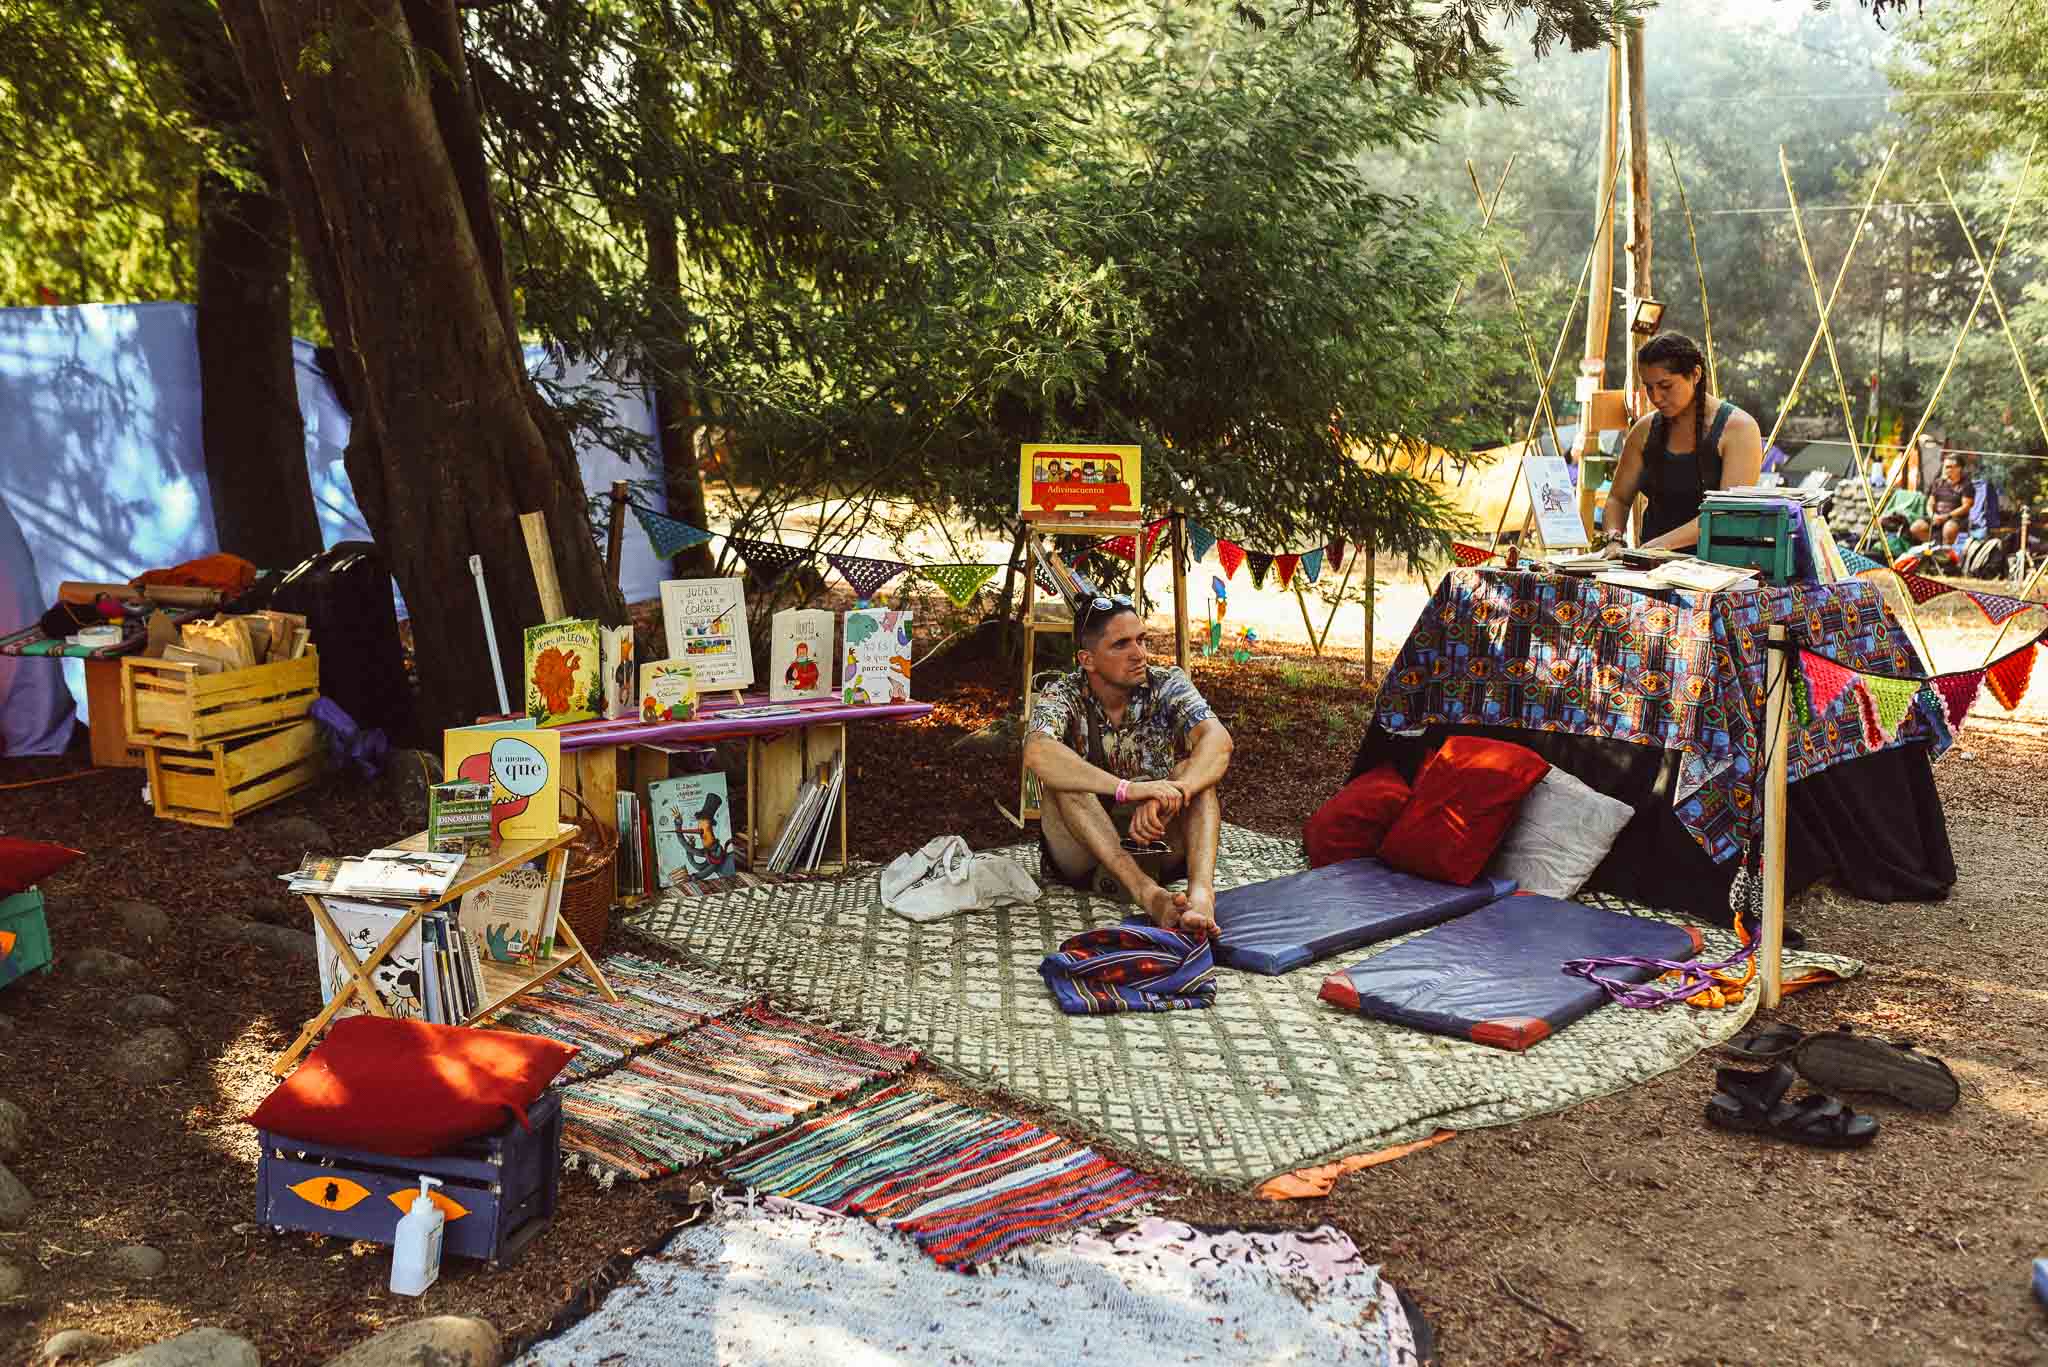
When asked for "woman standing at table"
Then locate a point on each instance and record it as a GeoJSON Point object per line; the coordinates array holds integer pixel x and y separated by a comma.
{"type": "Point", "coordinates": [1692, 445]}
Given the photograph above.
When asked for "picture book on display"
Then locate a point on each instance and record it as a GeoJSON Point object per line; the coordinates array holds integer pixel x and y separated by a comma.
{"type": "Point", "coordinates": [668, 691]}
{"type": "Point", "coordinates": [621, 698]}
{"type": "Point", "coordinates": [877, 656]}
{"type": "Point", "coordinates": [1077, 479]}
{"type": "Point", "coordinates": [399, 980]}
{"type": "Point", "coordinates": [410, 875]}
{"type": "Point", "coordinates": [523, 765]}
{"type": "Point", "coordinates": [800, 655]}
{"type": "Point", "coordinates": [459, 817]}
{"type": "Point", "coordinates": [706, 622]}
{"type": "Point", "coordinates": [564, 672]}
{"type": "Point", "coordinates": [692, 821]}
{"type": "Point", "coordinates": [509, 915]}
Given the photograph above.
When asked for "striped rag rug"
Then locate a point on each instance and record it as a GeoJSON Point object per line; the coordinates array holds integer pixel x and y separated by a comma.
{"type": "Point", "coordinates": [965, 1185]}
{"type": "Point", "coordinates": [712, 1088]}
{"type": "Point", "coordinates": [656, 1001]}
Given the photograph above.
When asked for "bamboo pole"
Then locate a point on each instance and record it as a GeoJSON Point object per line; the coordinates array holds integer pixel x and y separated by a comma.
{"type": "Point", "coordinates": [1177, 547]}
{"type": "Point", "coordinates": [1564, 333]}
{"type": "Point", "coordinates": [1330, 619]}
{"type": "Point", "coordinates": [1842, 388]}
{"type": "Point", "coordinates": [1600, 297]}
{"type": "Point", "coordinates": [615, 532]}
{"type": "Point", "coordinates": [1706, 312]}
{"type": "Point", "coordinates": [1841, 274]}
{"type": "Point", "coordinates": [1962, 334]}
{"type": "Point", "coordinates": [1778, 729]}
{"type": "Point", "coordinates": [1638, 192]}
{"type": "Point", "coordinates": [1485, 221]}
{"type": "Point", "coordinates": [1315, 646]}
{"type": "Point", "coordinates": [1370, 555]}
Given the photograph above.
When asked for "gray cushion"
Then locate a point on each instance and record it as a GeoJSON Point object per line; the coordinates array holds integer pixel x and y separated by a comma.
{"type": "Point", "coordinates": [1560, 836]}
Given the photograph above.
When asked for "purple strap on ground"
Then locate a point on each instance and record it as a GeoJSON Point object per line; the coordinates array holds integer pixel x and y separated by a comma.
{"type": "Point", "coordinates": [1693, 977]}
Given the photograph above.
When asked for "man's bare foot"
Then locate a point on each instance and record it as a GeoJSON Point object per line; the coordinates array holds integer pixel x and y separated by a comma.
{"type": "Point", "coordinates": [1160, 905]}
{"type": "Point", "coordinates": [1197, 912]}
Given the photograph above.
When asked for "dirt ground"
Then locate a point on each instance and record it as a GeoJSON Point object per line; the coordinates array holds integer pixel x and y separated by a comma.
{"type": "Point", "coordinates": [1623, 1231]}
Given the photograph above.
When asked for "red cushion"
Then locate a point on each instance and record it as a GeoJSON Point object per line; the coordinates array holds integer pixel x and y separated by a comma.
{"type": "Point", "coordinates": [1355, 819]}
{"type": "Point", "coordinates": [25, 863]}
{"type": "Point", "coordinates": [407, 1088]}
{"type": "Point", "coordinates": [1465, 799]}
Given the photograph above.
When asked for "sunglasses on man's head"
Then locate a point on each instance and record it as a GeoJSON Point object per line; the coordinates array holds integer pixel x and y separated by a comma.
{"type": "Point", "coordinates": [1099, 605]}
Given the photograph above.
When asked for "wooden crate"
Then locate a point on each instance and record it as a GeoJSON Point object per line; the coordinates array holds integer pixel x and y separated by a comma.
{"type": "Point", "coordinates": [165, 702]}
{"type": "Point", "coordinates": [498, 1192]}
{"type": "Point", "coordinates": [24, 936]}
{"type": "Point", "coordinates": [213, 784]}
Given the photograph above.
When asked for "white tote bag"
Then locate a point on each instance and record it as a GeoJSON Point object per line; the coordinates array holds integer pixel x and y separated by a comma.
{"type": "Point", "coordinates": [945, 878]}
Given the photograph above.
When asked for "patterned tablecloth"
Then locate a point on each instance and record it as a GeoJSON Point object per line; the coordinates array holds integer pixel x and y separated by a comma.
{"type": "Point", "coordinates": [1685, 671]}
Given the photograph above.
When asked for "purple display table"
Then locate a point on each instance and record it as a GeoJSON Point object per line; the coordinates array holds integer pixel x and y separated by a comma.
{"type": "Point", "coordinates": [786, 743]}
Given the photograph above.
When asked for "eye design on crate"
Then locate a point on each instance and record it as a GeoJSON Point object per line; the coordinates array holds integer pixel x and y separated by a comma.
{"type": "Point", "coordinates": [449, 1206]}
{"type": "Point", "coordinates": [331, 1193]}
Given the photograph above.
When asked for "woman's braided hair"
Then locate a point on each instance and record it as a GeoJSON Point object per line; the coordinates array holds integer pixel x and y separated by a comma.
{"type": "Point", "coordinates": [1681, 355]}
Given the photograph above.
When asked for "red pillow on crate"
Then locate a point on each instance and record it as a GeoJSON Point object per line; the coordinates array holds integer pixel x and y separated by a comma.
{"type": "Point", "coordinates": [408, 1088]}
{"type": "Point", "coordinates": [1465, 799]}
{"type": "Point", "coordinates": [1351, 824]}
{"type": "Point", "coordinates": [25, 863]}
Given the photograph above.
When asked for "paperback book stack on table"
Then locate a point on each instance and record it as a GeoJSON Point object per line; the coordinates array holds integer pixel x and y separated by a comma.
{"type": "Point", "coordinates": [435, 973]}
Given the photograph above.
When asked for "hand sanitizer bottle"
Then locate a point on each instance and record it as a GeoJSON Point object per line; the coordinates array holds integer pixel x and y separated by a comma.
{"type": "Point", "coordinates": [416, 1252]}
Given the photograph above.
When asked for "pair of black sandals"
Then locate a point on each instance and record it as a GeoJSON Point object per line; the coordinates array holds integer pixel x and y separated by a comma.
{"type": "Point", "coordinates": [1838, 1060]}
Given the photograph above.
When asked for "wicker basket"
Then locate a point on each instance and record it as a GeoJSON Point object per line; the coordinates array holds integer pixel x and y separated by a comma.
{"type": "Point", "coordinates": [587, 888]}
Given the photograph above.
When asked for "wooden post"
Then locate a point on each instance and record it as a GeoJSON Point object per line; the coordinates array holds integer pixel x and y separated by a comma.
{"type": "Point", "coordinates": [1177, 547]}
{"type": "Point", "coordinates": [1778, 729]}
{"type": "Point", "coordinates": [615, 533]}
{"type": "Point", "coordinates": [1315, 643]}
{"type": "Point", "coordinates": [534, 527]}
{"type": "Point", "coordinates": [1638, 191]}
{"type": "Point", "coordinates": [1369, 574]}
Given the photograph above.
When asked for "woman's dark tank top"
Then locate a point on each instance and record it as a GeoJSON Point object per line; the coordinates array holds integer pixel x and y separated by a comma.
{"type": "Point", "coordinates": [1677, 485]}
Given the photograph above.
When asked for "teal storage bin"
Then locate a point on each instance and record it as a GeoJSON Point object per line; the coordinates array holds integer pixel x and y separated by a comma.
{"type": "Point", "coordinates": [1746, 534]}
{"type": "Point", "coordinates": [24, 936]}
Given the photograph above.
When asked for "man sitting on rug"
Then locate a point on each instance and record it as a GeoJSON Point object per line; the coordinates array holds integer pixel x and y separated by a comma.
{"type": "Point", "coordinates": [1128, 756]}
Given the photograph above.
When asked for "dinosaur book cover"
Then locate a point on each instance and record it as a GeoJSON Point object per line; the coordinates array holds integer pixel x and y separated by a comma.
{"type": "Point", "coordinates": [564, 672]}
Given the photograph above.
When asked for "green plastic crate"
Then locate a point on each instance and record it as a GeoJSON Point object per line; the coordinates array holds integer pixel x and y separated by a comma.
{"type": "Point", "coordinates": [24, 936]}
{"type": "Point", "coordinates": [1747, 535]}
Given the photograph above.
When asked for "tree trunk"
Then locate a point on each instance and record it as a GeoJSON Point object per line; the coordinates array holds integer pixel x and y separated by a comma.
{"type": "Point", "coordinates": [451, 441]}
{"type": "Point", "coordinates": [254, 437]}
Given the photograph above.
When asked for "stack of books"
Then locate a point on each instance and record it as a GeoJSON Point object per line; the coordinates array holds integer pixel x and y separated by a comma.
{"type": "Point", "coordinates": [803, 839]}
{"type": "Point", "coordinates": [435, 972]}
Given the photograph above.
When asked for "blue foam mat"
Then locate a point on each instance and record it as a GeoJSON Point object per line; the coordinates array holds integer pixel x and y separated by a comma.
{"type": "Point", "coordinates": [1284, 923]}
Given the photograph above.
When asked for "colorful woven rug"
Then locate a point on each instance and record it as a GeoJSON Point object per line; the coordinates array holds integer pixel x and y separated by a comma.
{"type": "Point", "coordinates": [1266, 1081]}
{"type": "Point", "coordinates": [655, 1001]}
{"type": "Point", "coordinates": [781, 1286]}
{"type": "Point", "coordinates": [966, 1185]}
{"type": "Point", "coordinates": [712, 1088]}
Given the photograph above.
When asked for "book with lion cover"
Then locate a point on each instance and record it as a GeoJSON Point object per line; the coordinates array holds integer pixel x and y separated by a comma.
{"type": "Point", "coordinates": [564, 672]}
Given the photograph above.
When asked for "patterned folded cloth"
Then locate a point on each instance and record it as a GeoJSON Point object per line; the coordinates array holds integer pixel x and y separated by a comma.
{"type": "Point", "coordinates": [1131, 967]}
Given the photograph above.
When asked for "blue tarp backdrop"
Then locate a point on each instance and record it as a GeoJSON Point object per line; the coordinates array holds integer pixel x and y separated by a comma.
{"type": "Point", "coordinates": [102, 471]}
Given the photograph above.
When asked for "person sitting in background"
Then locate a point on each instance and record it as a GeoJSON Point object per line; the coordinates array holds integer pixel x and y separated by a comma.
{"type": "Point", "coordinates": [1951, 499]}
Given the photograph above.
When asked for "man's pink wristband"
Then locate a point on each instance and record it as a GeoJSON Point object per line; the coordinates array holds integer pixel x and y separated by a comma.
{"type": "Point", "coordinates": [1123, 791]}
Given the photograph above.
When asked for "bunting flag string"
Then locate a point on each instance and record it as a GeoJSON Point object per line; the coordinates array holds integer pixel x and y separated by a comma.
{"type": "Point", "coordinates": [1229, 555]}
{"type": "Point", "coordinates": [1312, 564]}
{"type": "Point", "coordinates": [1922, 588]}
{"type": "Point", "coordinates": [2025, 647]}
{"type": "Point", "coordinates": [1284, 566]}
{"type": "Point", "coordinates": [2007, 679]}
{"type": "Point", "coordinates": [1469, 555]}
{"type": "Point", "coordinates": [1200, 539]}
{"type": "Point", "coordinates": [1998, 608]}
{"type": "Point", "coordinates": [1858, 562]}
{"type": "Point", "coordinates": [1336, 550]}
{"type": "Point", "coordinates": [1958, 694]}
{"type": "Point", "coordinates": [1260, 563]}
{"type": "Point", "coordinates": [959, 582]}
{"type": "Point", "coordinates": [1825, 680]}
{"type": "Point", "coordinates": [668, 536]}
{"type": "Point", "coordinates": [1886, 703]}
{"type": "Point", "coordinates": [769, 559]}
{"type": "Point", "coordinates": [1122, 547]}
{"type": "Point", "coordinates": [865, 575]}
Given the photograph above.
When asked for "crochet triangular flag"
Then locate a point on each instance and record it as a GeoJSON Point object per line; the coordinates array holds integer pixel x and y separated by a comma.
{"type": "Point", "coordinates": [1312, 564]}
{"type": "Point", "coordinates": [1200, 539]}
{"type": "Point", "coordinates": [1260, 563]}
{"type": "Point", "coordinates": [1336, 550]}
{"type": "Point", "coordinates": [1958, 694]}
{"type": "Point", "coordinates": [1890, 700]}
{"type": "Point", "coordinates": [1996, 607]}
{"type": "Point", "coordinates": [1858, 562]}
{"type": "Point", "coordinates": [1152, 531]}
{"type": "Point", "coordinates": [1469, 555]}
{"type": "Point", "coordinates": [868, 576]}
{"type": "Point", "coordinates": [769, 559]}
{"type": "Point", "coordinates": [1922, 588]}
{"type": "Point", "coordinates": [959, 582]}
{"type": "Point", "coordinates": [2007, 679]}
{"type": "Point", "coordinates": [1825, 680]}
{"type": "Point", "coordinates": [1122, 547]}
{"type": "Point", "coordinates": [1229, 555]}
{"type": "Point", "coordinates": [1284, 566]}
{"type": "Point", "coordinates": [668, 536]}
